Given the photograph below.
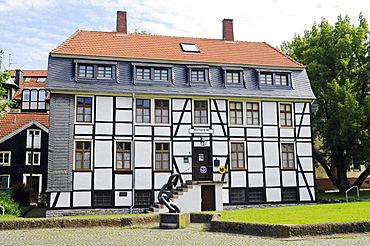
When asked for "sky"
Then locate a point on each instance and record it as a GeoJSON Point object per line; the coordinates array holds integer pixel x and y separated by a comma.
{"type": "Point", "coordinates": [30, 29]}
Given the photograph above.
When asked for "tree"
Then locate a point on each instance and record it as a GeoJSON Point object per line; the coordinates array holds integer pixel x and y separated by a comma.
{"type": "Point", "coordinates": [337, 59]}
{"type": "Point", "coordinates": [4, 77]}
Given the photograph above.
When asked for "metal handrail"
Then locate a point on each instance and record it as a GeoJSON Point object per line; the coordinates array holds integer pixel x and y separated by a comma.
{"type": "Point", "coordinates": [358, 194]}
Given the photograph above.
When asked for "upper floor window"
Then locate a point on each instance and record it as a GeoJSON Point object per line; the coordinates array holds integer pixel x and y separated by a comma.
{"type": "Point", "coordinates": [95, 71]}
{"type": "Point", "coordinates": [84, 109]}
{"type": "Point", "coordinates": [274, 78]}
{"type": "Point", "coordinates": [36, 136]}
{"type": "Point", "coordinates": [33, 99]}
{"type": "Point", "coordinates": [162, 156]}
{"type": "Point", "coordinates": [233, 77]}
{"type": "Point", "coordinates": [35, 160]}
{"type": "Point", "coordinates": [198, 75]}
{"type": "Point", "coordinates": [287, 153]}
{"type": "Point", "coordinates": [286, 115]}
{"type": "Point", "coordinates": [83, 155]}
{"type": "Point", "coordinates": [152, 74]}
{"type": "Point", "coordinates": [253, 113]}
{"type": "Point", "coordinates": [143, 110]}
{"type": "Point", "coordinates": [236, 113]}
{"type": "Point", "coordinates": [237, 155]}
{"type": "Point", "coordinates": [200, 112]}
{"type": "Point", "coordinates": [5, 158]}
{"type": "Point", "coordinates": [161, 111]}
{"type": "Point", "coordinates": [123, 155]}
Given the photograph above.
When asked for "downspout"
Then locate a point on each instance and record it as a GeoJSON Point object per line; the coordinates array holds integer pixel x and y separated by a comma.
{"type": "Point", "coordinates": [133, 154]}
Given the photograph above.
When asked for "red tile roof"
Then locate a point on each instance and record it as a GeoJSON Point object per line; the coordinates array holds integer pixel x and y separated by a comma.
{"type": "Point", "coordinates": [13, 121]}
{"type": "Point", "coordinates": [34, 74]}
{"type": "Point", "coordinates": [167, 48]}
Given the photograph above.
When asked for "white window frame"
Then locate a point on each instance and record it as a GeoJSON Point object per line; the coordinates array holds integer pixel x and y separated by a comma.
{"type": "Point", "coordinates": [243, 110]}
{"type": "Point", "coordinates": [92, 111]}
{"type": "Point", "coordinates": [34, 154]}
{"type": "Point", "coordinates": [9, 158]}
{"type": "Point", "coordinates": [36, 140]}
{"type": "Point", "coordinates": [244, 152]}
{"type": "Point", "coordinates": [6, 175]}
{"type": "Point", "coordinates": [294, 156]}
{"type": "Point", "coordinates": [153, 111]}
{"type": "Point", "coordinates": [115, 155]}
{"type": "Point", "coordinates": [259, 114]}
{"type": "Point", "coordinates": [91, 155]}
{"type": "Point", "coordinates": [208, 112]}
{"type": "Point", "coordinates": [292, 112]}
{"type": "Point", "coordinates": [169, 156]}
{"type": "Point", "coordinates": [25, 175]}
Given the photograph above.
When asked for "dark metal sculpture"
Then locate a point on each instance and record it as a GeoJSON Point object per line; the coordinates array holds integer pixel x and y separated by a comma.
{"type": "Point", "coordinates": [166, 192]}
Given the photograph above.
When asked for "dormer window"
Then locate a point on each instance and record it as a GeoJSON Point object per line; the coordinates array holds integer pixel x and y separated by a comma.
{"type": "Point", "coordinates": [198, 75]}
{"type": "Point", "coordinates": [275, 79]}
{"type": "Point", "coordinates": [189, 47]}
{"type": "Point", "coordinates": [87, 70]}
{"type": "Point", "coordinates": [266, 78]}
{"type": "Point", "coordinates": [233, 76]}
{"type": "Point", "coordinates": [33, 99]}
{"type": "Point", "coordinates": [281, 79]}
{"type": "Point", "coordinates": [151, 73]}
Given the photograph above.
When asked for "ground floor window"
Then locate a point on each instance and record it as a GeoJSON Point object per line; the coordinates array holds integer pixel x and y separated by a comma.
{"type": "Point", "coordinates": [237, 195]}
{"type": "Point", "coordinates": [4, 181]}
{"type": "Point", "coordinates": [102, 198]}
{"type": "Point", "coordinates": [256, 195]}
{"type": "Point", "coordinates": [143, 198]}
{"type": "Point", "coordinates": [289, 194]}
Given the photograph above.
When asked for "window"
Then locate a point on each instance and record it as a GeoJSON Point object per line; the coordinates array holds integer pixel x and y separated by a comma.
{"type": "Point", "coordinates": [83, 155]}
{"type": "Point", "coordinates": [102, 198]}
{"type": "Point", "coordinates": [36, 136]}
{"type": "Point", "coordinates": [281, 79]}
{"type": "Point", "coordinates": [95, 71]}
{"type": "Point", "coordinates": [152, 73]}
{"type": "Point", "coordinates": [237, 195]}
{"type": "Point", "coordinates": [143, 198]}
{"type": "Point", "coordinates": [143, 110]}
{"type": "Point", "coordinates": [162, 156]}
{"type": "Point", "coordinates": [86, 71]}
{"type": "Point", "coordinates": [286, 115]}
{"type": "Point", "coordinates": [161, 111]}
{"type": "Point", "coordinates": [200, 112]}
{"type": "Point", "coordinates": [287, 152]}
{"type": "Point", "coordinates": [123, 155]}
{"type": "Point", "coordinates": [41, 80]}
{"type": "Point", "coordinates": [237, 155]}
{"type": "Point", "coordinates": [5, 158]}
{"type": "Point", "coordinates": [233, 77]}
{"type": "Point", "coordinates": [253, 114]}
{"type": "Point", "coordinates": [84, 109]}
{"type": "Point", "coordinates": [143, 73]}
{"type": "Point", "coordinates": [289, 194]}
{"type": "Point", "coordinates": [34, 99]}
{"type": "Point", "coordinates": [188, 47]}
{"type": "Point", "coordinates": [4, 181]}
{"type": "Point", "coordinates": [198, 75]}
{"type": "Point", "coordinates": [236, 113]}
{"type": "Point", "coordinates": [256, 195]}
{"type": "Point", "coordinates": [266, 78]}
{"type": "Point", "coordinates": [36, 158]}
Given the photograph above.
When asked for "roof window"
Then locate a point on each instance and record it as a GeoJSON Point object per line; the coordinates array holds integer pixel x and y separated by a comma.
{"type": "Point", "coordinates": [188, 47]}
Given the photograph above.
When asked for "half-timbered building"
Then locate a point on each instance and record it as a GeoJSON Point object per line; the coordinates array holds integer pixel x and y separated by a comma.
{"type": "Point", "coordinates": [233, 118]}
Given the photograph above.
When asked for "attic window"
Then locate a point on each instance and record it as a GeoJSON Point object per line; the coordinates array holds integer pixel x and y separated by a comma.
{"type": "Point", "coordinates": [41, 80]}
{"type": "Point", "coordinates": [188, 47]}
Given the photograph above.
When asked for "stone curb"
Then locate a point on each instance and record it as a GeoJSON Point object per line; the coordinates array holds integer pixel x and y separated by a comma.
{"type": "Point", "coordinates": [287, 231]}
{"type": "Point", "coordinates": [130, 221]}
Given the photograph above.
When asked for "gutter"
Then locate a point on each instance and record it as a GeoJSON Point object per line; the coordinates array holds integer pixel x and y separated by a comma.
{"type": "Point", "coordinates": [133, 154]}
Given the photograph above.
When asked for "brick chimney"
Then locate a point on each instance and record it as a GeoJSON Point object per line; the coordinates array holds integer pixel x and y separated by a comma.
{"type": "Point", "coordinates": [227, 30]}
{"type": "Point", "coordinates": [121, 22]}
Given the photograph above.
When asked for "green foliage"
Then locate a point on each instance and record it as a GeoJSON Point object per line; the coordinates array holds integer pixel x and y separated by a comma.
{"type": "Point", "coordinates": [141, 32]}
{"type": "Point", "coordinates": [11, 207]}
{"type": "Point", "coordinates": [21, 194]}
{"type": "Point", "coordinates": [4, 76]}
{"type": "Point", "coordinates": [338, 65]}
{"type": "Point", "coordinates": [321, 213]}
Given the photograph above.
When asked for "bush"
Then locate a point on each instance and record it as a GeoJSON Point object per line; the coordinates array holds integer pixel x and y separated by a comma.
{"type": "Point", "coordinates": [21, 194]}
{"type": "Point", "coordinates": [11, 207]}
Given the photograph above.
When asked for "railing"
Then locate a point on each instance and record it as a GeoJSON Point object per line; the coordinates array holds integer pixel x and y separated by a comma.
{"type": "Point", "coordinates": [3, 210]}
{"type": "Point", "coordinates": [358, 194]}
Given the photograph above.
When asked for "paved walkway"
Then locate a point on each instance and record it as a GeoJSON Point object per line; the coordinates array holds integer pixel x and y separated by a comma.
{"type": "Point", "coordinates": [193, 235]}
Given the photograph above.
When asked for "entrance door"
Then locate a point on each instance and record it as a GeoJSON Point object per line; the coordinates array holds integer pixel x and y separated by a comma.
{"type": "Point", "coordinates": [202, 166]}
{"type": "Point", "coordinates": [208, 198]}
{"type": "Point", "coordinates": [34, 188]}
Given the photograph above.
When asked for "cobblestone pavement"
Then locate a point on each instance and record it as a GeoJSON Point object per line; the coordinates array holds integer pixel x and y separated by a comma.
{"type": "Point", "coordinates": [196, 234]}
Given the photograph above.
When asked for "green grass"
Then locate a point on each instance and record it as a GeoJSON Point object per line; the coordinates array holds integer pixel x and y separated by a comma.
{"type": "Point", "coordinates": [97, 216]}
{"type": "Point", "coordinates": [364, 194]}
{"type": "Point", "coordinates": [321, 213]}
{"type": "Point", "coordinates": [9, 217]}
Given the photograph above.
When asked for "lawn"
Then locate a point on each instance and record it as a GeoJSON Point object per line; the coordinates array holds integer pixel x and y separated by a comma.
{"type": "Point", "coordinates": [320, 213]}
{"type": "Point", "coordinates": [364, 194]}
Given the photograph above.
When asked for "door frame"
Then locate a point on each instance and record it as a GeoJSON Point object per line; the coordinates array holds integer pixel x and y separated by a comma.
{"type": "Point", "coordinates": [196, 172]}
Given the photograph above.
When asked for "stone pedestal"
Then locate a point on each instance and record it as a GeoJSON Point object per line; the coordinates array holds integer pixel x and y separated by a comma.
{"type": "Point", "coordinates": [174, 220]}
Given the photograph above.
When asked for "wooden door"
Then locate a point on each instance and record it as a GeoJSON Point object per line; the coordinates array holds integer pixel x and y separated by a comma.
{"type": "Point", "coordinates": [34, 188]}
{"type": "Point", "coordinates": [202, 166]}
{"type": "Point", "coordinates": [208, 198]}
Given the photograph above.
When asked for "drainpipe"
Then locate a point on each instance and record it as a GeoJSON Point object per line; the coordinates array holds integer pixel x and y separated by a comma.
{"type": "Point", "coordinates": [133, 153]}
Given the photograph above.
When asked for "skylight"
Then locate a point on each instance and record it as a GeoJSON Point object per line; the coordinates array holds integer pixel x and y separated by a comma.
{"type": "Point", "coordinates": [188, 47]}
